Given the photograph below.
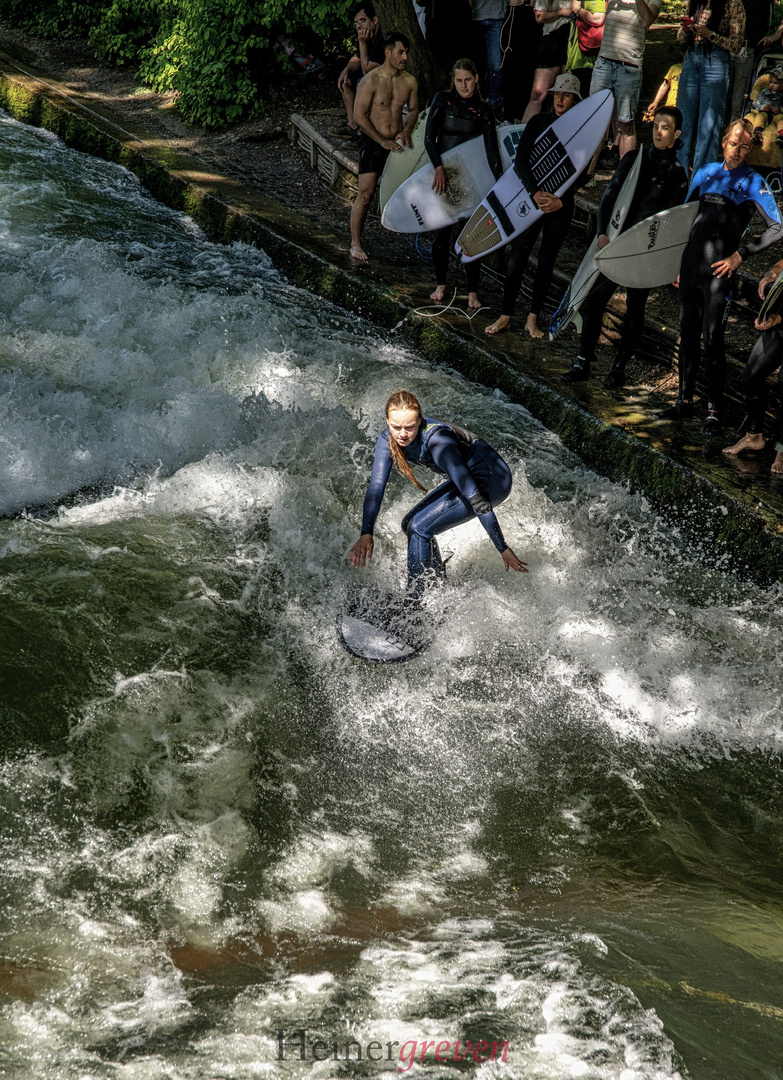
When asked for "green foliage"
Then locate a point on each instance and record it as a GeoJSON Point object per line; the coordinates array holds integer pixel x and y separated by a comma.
{"type": "Point", "coordinates": [216, 54]}
{"type": "Point", "coordinates": [125, 28]}
{"type": "Point", "coordinates": [52, 18]}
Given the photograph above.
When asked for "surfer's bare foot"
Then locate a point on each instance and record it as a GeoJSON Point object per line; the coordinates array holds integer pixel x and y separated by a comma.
{"type": "Point", "coordinates": [749, 441]}
{"type": "Point", "coordinates": [438, 295]}
{"type": "Point", "coordinates": [532, 327]}
{"type": "Point", "coordinates": [473, 301]}
{"type": "Point", "coordinates": [358, 253]}
{"type": "Point", "coordinates": [777, 465]}
{"type": "Point", "coordinates": [499, 325]}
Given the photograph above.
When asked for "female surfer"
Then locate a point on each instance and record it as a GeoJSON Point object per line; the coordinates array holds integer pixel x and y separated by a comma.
{"type": "Point", "coordinates": [477, 479]}
{"type": "Point", "coordinates": [455, 116]}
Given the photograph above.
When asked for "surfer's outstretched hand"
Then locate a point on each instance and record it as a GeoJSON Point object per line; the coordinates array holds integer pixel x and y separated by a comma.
{"type": "Point", "coordinates": [512, 562]}
{"type": "Point", "coordinates": [361, 550]}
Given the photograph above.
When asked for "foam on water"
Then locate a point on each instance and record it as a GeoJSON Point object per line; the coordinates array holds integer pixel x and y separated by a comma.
{"type": "Point", "coordinates": [247, 831]}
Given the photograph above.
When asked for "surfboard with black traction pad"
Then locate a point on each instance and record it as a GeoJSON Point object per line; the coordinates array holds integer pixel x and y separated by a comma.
{"type": "Point", "coordinates": [559, 155]}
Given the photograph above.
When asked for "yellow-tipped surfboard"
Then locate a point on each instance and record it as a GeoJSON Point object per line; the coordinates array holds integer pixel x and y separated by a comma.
{"type": "Point", "coordinates": [561, 153]}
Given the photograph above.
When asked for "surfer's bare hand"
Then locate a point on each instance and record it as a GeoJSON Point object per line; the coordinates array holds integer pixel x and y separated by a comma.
{"type": "Point", "coordinates": [512, 562]}
{"type": "Point", "coordinates": [361, 550]}
{"type": "Point", "coordinates": [392, 144]}
{"type": "Point", "coordinates": [440, 183]}
{"type": "Point", "coordinates": [603, 240]}
{"type": "Point", "coordinates": [769, 277]}
{"type": "Point", "coordinates": [767, 324]}
{"type": "Point", "coordinates": [726, 267]}
{"type": "Point", "coordinates": [404, 138]}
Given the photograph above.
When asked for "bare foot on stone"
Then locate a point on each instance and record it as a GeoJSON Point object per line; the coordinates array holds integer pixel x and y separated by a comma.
{"type": "Point", "coordinates": [358, 253]}
{"type": "Point", "coordinates": [777, 465]}
{"type": "Point", "coordinates": [499, 326]}
{"type": "Point", "coordinates": [438, 295]}
{"type": "Point", "coordinates": [473, 301]}
{"type": "Point", "coordinates": [531, 326]}
{"type": "Point", "coordinates": [749, 441]}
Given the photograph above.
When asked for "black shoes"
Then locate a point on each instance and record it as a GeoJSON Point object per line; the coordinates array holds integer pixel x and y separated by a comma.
{"type": "Point", "coordinates": [580, 372]}
{"type": "Point", "coordinates": [616, 376]}
{"type": "Point", "coordinates": [680, 410]}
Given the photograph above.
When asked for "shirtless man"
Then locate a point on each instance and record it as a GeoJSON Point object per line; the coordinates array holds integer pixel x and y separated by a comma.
{"type": "Point", "coordinates": [380, 98]}
{"type": "Point", "coordinates": [368, 57]}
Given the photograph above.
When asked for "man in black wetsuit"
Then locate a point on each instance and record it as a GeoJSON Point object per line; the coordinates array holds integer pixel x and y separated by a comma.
{"type": "Point", "coordinates": [729, 193]}
{"type": "Point", "coordinates": [662, 183]}
{"type": "Point", "coordinates": [765, 357]}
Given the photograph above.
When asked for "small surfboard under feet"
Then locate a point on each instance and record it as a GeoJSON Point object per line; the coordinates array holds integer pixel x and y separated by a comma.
{"type": "Point", "coordinates": [383, 626]}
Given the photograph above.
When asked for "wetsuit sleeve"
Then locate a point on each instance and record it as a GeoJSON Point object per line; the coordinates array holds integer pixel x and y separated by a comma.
{"type": "Point", "coordinates": [381, 467]}
{"type": "Point", "coordinates": [435, 118]}
{"type": "Point", "coordinates": [613, 188]}
{"type": "Point", "coordinates": [765, 203]}
{"type": "Point", "coordinates": [448, 459]}
{"type": "Point", "coordinates": [490, 133]}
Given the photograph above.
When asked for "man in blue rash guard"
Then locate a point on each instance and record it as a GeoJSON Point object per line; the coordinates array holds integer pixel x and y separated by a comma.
{"type": "Point", "coordinates": [478, 479]}
{"type": "Point", "coordinates": [729, 192]}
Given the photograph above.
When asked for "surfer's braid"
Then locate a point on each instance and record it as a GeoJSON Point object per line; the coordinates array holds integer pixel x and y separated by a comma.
{"type": "Point", "coordinates": [402, 399]}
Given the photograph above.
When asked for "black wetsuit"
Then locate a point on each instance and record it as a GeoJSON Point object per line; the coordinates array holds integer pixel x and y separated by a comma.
{"type": "Point", "coordinates": [662, 183]}
{"type": "Point", "coordinates": [728, 199]}
{"type": "Point", "coordinates": [478, 479]}
{"type": "Point", "coordinates": [453, 120]}
{"type": "Point", "coordinates": [554, 226]}
{"type": "Point", "coordinates": [766, 355]}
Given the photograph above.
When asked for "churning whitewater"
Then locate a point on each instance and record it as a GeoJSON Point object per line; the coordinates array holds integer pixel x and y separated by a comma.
{"type": "Point", "coordinates": [550, 847]}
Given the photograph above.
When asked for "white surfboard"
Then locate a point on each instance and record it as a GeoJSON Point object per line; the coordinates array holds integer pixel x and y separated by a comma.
{"type": "Point", "coordinates": [557, 159]}
{"type": "Point", "coordinates": [382, 625]}
{"type": "Point", "coordinates": [587, 273]}
{"type": "Point", "coordinates": [649, 254]}
{"type": "Point", "coordinates": [414, 207]}
{"type": "Point", "coordinates": [400, 166]}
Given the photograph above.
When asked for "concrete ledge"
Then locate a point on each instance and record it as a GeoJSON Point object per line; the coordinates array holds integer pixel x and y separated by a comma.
{"type": "Point", "coordinates": [726, 527]}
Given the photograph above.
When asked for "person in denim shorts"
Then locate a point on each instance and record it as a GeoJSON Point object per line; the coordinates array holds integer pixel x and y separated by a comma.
{"type": "Point", "coordinates": [619, 64]}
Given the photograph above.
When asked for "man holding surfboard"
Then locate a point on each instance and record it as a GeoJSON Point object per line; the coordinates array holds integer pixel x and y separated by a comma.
{"type": "Point", "coordinates": [660, 182]}
{"type": "Point", "coordinates": [380, 98]}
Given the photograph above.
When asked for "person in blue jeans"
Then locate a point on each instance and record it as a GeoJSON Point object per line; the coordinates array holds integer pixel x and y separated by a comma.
{"type": "Point", "coordinates": [488, 16]}
{"type": "Point", "coordinates": [710, 33]}
{"type": "Point", "coordinates": [477, 480]}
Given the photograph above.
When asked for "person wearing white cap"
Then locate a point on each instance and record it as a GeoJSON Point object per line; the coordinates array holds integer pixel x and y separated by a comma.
{"type": "Point", "coordinates": [552, 225]}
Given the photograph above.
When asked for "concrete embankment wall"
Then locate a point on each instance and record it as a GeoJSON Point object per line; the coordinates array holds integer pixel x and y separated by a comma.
{"type": "Point", "coordinates": [722, 522]}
